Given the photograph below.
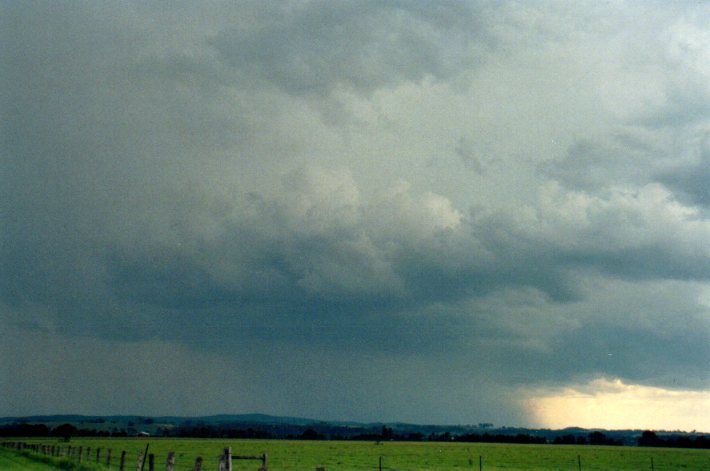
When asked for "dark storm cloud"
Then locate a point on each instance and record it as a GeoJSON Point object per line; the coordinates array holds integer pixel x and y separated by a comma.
{"type": "Point", "coordinates": [165, 189]}
{"type": "Point", "coordinates": [322, 250]}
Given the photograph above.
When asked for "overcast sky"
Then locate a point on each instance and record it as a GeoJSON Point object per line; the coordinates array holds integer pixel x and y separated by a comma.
{"type": "Point", "coordinates": [447, 212]}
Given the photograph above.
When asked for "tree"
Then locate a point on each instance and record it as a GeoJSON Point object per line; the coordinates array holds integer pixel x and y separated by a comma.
{"type": "Point", "coordinates": [597, 438]}
{"type": "Point", "coordinates": [65, 431]}
{"type": "Point", "coordinates": [310, 434]}
{"type": "Point", "coordinates": [649, 438]}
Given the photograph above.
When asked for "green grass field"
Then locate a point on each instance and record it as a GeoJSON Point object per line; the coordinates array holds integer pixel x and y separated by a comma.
{"type": "Point", "coordinates": [11, 461]}
{"type": "Point", "coordinates": [415, 456]}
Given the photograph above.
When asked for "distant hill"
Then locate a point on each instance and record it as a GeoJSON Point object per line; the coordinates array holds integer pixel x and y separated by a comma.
{"type": "Point", "coordinates": [269, 426]}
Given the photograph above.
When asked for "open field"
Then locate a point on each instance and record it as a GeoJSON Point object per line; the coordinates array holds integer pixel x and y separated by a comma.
{"type": "Point", "coordinates": [13, 461]}
{"type": "Point", "coordinates": [402, 456]}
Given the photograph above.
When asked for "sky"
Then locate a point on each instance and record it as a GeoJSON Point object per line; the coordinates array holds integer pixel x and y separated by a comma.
{"type": "Point", "coordinates": [443, 212]}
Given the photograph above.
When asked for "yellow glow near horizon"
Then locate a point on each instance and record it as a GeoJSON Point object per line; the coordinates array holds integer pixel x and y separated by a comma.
{"type": "Point", "coordinates": [615, 405]}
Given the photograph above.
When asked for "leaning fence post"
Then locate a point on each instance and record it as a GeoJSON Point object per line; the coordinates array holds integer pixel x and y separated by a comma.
{"type": "Point", "coordinates": [170, 462]}
{"type": "Point", "coordinates": [141, 462]}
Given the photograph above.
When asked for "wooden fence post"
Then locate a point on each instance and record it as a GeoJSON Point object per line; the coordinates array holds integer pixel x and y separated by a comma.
{"type": "Point", "coordinates": [80, 453]}
{"type": "Point", "coordinates": [170, 462]}
{"type": "Point", "coordinates": [108, 458]}
{"type": "Point", "coordinates": [228, 458]}
{"type": "Point", "coordinates": [88, 454]}
{"type": "Point", "coordinates": [151, 462]}
{"type": "Point", "coordinates": [141, 459]}
{"type": "Point", "coordinates": [98, 455]}
{"type": "Point", "coordinates": [122, 464]}
{"type": "Point", "coordinates": [198, 464]}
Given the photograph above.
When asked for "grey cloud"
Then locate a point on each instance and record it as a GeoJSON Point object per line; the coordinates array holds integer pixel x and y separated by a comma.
{"type": "Point", "coordinates": [628, 156]}
{"type": "Point", "coordinates": [318, 243]}
{"type": "Point", "coordinates": [170, 191]}
{"type": "Point", "coordinates": [622, 233]}
{"type": "Point", "coordinates": [473, 155]}
{"type": "Point", "coordinates": [690, 181]}
{"type": "Point", "coordinates": [317, 47]}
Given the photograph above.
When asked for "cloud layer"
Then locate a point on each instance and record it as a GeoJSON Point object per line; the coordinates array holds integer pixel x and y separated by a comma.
{"type": "Point", "coordinates": [419, 210]}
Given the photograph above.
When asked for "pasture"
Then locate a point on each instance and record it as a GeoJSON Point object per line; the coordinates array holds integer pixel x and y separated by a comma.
{"type": "Point", "coordinates": [402, 456]}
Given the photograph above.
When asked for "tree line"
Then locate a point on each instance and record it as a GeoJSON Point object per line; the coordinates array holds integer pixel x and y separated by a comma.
{"type": "Point", "coordinates": [649, 438]}
{"type": "Point", "coordinates": [331, 432]}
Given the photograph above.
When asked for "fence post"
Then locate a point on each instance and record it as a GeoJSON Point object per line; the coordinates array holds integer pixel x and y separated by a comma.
{"type": "Point", "coordinates": [151, 462]}
{"type": "Point", "coordinates": [579, 462]}
{"type": "Point", "coordinates": [88, 454]}
{"type": "Point", "coordinates": [170, 462]}
{"type": "Point", "coordinates": [122, 464]}
{"type": "Point", "coordinates": [98, 455]}
{"type": "Point", "coordinates": [480, 462]}
{"type": "Point", "coordinates": [264, 462]}
{"type": "Point", "coordinates": [81, 453]}
{"type": "Point", "coordinates": [108, 458]}
{"type": "Point", "coordinates": [228, 453]}
{"type": "Point", "coordinates": [198, 464]}
{"type": "Point", "coordinates": [141, 462]}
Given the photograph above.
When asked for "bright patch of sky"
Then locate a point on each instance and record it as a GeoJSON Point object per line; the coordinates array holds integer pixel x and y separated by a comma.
{"type": "Point", "coordinates": [613, 404]}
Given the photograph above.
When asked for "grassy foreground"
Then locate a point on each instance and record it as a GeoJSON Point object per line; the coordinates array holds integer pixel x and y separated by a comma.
{"type": "Point", "coordinates": [13, 461]}
{"type": "Point", "coordinates": [401, 456]}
